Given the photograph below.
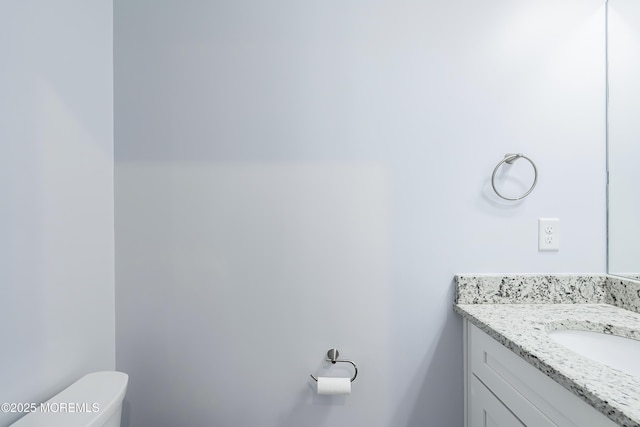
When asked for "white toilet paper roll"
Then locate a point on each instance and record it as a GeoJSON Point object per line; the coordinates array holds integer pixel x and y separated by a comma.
{"type": "Point", "coordinates": [330, 385]}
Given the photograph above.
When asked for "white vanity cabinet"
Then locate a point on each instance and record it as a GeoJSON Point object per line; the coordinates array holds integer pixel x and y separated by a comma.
{"type": "Point", "coordinates": [503, 390]}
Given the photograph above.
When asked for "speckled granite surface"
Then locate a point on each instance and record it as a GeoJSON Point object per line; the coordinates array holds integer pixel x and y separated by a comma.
{"type": "Point", "coordinates": [530, 289]}
{"type": "Point", "coordinates": [518, 310]}
{"type": "Point", "coordinates": [548, 289]}
{"type": "Point", "coordinates": [624, 293]}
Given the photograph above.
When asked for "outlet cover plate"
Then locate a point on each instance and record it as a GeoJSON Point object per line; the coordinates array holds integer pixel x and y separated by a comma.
{"type": "Point", "coordinates": [548, 234]}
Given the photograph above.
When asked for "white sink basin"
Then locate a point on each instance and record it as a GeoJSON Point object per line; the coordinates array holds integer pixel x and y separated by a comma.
{"type": "Point", "coordinates": [617, 352]}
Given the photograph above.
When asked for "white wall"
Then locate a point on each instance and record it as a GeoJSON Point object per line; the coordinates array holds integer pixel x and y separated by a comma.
{"type": "Point", "coordinates": [56, 185]}
{"type": "Point", "coordinates": [294, 176]}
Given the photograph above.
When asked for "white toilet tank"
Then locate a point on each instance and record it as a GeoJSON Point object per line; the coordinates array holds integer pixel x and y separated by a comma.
{"type": "Point", "coordinates": [95, 400]}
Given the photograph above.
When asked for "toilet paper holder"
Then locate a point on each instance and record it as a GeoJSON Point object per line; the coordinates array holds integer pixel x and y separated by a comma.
{"type": "Point", "coordinates": [332, 356]}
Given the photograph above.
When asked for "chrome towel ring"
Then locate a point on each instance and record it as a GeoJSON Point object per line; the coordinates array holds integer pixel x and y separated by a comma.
{"type": "Point", "coordinates": [509, 159]}
{"type": "Point", "coordinates": [332, 356]}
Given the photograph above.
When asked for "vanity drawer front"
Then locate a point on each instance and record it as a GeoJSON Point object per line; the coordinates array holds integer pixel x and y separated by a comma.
{"type": "Point", "coordinates": [535, 398]}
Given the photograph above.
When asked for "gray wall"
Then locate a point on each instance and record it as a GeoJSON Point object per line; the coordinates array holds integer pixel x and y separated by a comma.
{"type": "Point", "coordinates": [294, 176]}
{"type": "Point", "coordinates": [56, 186]}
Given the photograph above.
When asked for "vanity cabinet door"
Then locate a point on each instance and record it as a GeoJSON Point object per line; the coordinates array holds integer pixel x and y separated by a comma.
{"type": "Point", "coordinates": [537, 400]}
{"type": "Point", "coordinates": [486, 410]}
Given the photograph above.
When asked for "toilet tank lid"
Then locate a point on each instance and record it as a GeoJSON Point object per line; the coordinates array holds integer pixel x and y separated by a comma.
{"type": "Point", "coordinates": [106, 388]}
{"type": "Point", "coordinates": [90, 401]}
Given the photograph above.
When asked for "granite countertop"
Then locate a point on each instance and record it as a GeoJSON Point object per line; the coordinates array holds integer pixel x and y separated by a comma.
{"type": "Point", "coordinates": [493, 304]}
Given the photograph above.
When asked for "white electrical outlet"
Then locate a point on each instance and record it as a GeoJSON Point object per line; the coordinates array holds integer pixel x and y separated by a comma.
{"type": "Point", "coordinates": [548, 234]}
